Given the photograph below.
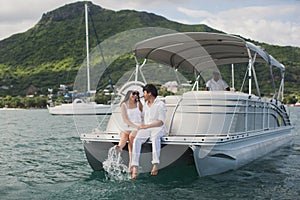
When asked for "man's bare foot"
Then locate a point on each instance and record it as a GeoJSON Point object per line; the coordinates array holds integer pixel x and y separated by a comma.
{"type": "Point", "coordinates": [134, 172]}
{"type": "Point", "coordinates": [154, 170]}
{"type": "Point", "coordinates": [129, 169]}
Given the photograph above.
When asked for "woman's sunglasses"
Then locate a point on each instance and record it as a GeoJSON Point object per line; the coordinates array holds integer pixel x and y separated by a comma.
{"type": "Point", "coordinates": [135, 93]}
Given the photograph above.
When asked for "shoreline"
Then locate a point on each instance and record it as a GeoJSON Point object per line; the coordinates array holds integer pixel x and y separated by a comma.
{"type": "Point", "coordinates": [22, 109]}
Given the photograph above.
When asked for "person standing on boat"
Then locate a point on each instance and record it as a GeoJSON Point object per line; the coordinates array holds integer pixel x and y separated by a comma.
{"type": "Point", "coordinates": [153, 127]}
{"type": "Point", "coordinates": [131, 111]}
{"type": "Point", "coordinates": [216, 83]}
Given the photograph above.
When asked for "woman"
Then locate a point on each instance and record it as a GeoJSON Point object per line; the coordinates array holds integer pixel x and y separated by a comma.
{"type": "Point", "coordinates": [131, 110]}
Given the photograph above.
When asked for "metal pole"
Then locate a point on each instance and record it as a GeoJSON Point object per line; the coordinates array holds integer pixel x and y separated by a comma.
{"type": "Point", "coordinates": [249, 71]}
{"type": "Point", "coordinates": [232, 75]}
{"type": "Point", "coordinates": [87, 48]}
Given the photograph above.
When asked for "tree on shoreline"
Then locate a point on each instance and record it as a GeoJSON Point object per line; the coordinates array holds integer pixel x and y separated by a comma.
{"type": "Point", "coordinates": [23, 102]}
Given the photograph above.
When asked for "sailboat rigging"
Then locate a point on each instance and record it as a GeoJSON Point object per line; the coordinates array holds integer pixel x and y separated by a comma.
{"type": "Point", "coordinates": [80, 106]}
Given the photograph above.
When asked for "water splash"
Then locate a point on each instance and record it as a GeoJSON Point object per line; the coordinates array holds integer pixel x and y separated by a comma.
{"type": "Point", "coordinates": [114, 166]}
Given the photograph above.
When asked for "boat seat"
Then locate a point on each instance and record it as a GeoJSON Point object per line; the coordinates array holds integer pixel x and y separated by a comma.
{"type": "Point", "coordinates": [171, 102]}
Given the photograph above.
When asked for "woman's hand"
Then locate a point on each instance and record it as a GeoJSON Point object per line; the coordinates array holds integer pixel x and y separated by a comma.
{"type": "Point", "coordinates": [144, 126]}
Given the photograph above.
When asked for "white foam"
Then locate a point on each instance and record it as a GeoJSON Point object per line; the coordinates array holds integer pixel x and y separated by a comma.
{"type": "Point", "coordinates": [114, 166]}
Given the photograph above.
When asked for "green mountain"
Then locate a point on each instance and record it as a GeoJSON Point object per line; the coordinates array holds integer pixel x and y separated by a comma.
{"type": "Point", "coordinates": [51, 52]}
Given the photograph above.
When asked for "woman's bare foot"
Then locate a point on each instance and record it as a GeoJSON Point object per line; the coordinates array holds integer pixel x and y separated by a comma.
{"type": "Point", "coordinates": [118, 148]}
{"type": "Point", "coordinates": [154, 170]}
{"type": "Point", "coordinates": [134, 172]}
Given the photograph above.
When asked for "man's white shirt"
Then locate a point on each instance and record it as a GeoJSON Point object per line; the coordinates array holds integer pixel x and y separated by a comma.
{"type": "Point", "coordinates": [216, 85]}
{"type": "Point", "coordinates": [156, 112]}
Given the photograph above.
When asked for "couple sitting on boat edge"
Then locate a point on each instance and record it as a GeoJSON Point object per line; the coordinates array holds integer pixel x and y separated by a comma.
{"type": "Point", "coordinates": [139, 131]}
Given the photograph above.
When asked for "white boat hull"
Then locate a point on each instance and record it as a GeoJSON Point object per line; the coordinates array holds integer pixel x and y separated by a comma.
{"type": "Point", "coordinates": [208, 160]}
{"type": "Point", "coordinates": [225, 157]}
{"type": "Point", "coordinates": [80, 109]}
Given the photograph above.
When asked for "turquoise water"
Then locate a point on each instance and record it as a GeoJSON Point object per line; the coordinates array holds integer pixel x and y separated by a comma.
{"type": "Point", "coordinates": [42, 157]}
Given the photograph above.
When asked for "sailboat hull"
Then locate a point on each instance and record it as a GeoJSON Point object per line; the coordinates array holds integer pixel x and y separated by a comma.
{"type": "Point", "coordinates": [81, 109]}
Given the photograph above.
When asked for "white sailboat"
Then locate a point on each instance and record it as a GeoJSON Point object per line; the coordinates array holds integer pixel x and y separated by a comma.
{"type": "Point", "coordinates": [82, 106]}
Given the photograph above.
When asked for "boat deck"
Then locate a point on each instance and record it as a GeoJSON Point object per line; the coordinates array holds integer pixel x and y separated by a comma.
{"type": "Point", "coordinates": [199, 139]}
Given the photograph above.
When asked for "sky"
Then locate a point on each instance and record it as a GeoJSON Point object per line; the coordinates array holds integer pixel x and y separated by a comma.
{"type": "Point", "coordinates": [274, 22]}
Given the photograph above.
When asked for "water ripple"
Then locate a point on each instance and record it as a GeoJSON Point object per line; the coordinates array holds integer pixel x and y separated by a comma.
{"type": "Point", "coordinates": [42, 157]}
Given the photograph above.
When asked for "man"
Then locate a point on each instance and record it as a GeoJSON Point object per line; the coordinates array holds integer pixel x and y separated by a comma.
{"type": "Point", "coordinates": [153, 127]}
{"type": "Point", "coordinates": [216, 84]}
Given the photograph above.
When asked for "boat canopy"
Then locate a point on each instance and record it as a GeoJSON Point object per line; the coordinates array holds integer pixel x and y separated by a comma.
{"type": "Point", "coordinates": [201, 50]}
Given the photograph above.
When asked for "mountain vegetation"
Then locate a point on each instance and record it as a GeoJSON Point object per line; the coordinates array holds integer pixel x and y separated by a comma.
{"type": "Point", "coordinates": [51, 52]}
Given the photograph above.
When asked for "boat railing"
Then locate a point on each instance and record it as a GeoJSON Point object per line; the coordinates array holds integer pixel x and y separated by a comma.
{"type": "Point", "coordinates": [253, 114]}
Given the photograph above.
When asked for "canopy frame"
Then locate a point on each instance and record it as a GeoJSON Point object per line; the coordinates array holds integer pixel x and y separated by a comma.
{"type": "Point", "coordinates": [201, 50]}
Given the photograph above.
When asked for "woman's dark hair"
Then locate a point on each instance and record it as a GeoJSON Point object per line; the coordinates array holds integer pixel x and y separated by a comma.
{"type": "Point", "coordinates": [150, 88]}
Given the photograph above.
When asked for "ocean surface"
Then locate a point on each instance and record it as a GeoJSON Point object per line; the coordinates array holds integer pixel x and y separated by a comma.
{"type": "Point", "coordinates": [42, 157]}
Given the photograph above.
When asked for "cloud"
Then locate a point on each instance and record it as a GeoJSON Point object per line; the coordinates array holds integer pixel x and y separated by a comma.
{"type": "Point", "coordinates": [137, 5]}
{"type": "Point", "coordinates": [16, 27]}
{"type": "Point", "coordinates": [19, 9]}
{"type": "Point", "coordinates": [257, 23]}
{"type": "Point", "coordinates": [195, 13]}
{"type": "Point", "coordinates": [18, 15]}
{"type": "Point", "coordinates": [271, 24]}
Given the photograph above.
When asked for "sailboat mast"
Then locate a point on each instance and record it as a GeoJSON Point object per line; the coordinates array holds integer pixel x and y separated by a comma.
{"type": "Point", "coordinates": [87, 48]}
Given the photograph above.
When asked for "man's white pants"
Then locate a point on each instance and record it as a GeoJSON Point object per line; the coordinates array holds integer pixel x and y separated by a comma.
{"type": "Point", "coordinates": [142, 136]}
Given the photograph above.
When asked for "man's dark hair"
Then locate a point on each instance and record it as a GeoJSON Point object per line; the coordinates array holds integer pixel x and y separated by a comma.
{"type": "Point", "coordinates": [150, 88]}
